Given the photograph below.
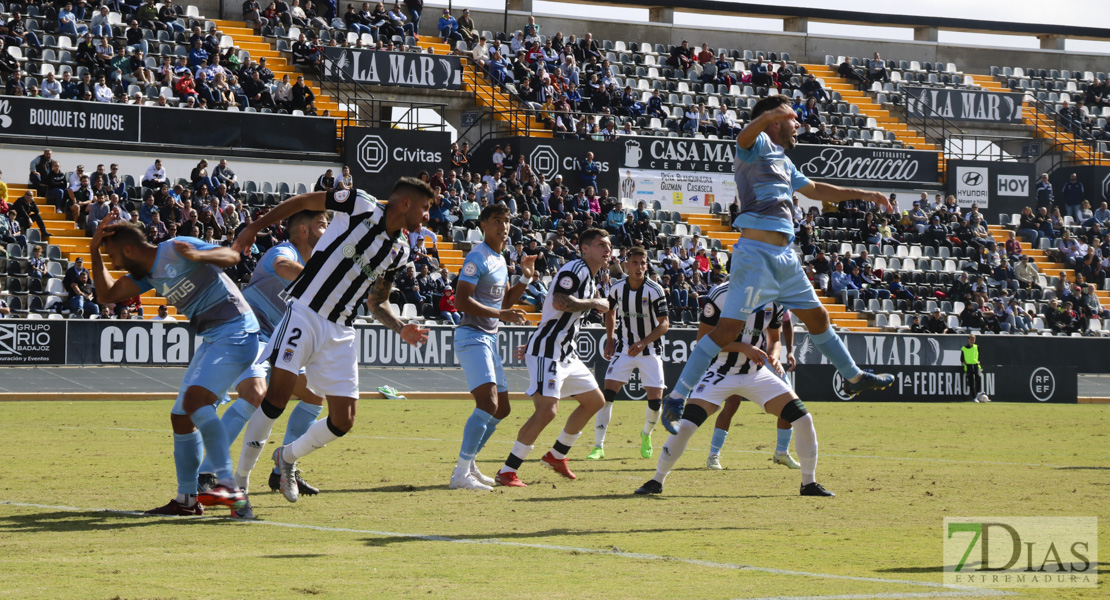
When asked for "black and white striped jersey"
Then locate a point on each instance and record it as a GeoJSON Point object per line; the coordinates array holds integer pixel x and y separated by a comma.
{"type": "Point", "coordinates": [556, 337]}
{"type": "Point", "coordinates": [754, 332]}
{"type": "Point", "coordinates": [354, 252]}
{"type": "Point", "coordinates": [638, 312]}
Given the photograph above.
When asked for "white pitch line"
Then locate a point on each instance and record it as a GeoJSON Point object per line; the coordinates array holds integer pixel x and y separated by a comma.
{"type": "Point", "coordinates": [418, 439]}
{"type": "Point", "coordinates": [954, 589]}
{"type": "Point", "coordinates": [880, 596]}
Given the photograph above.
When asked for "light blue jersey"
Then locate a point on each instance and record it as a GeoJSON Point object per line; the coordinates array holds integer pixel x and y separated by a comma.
{"type": "Point", "coordinates": [264, 294]}
{"type": "Point", "coordinates": [765, 184]}
{"type": "Point", "coordinates": [486, 269]}
{"type": "Point", "coordinates": [202, 292]}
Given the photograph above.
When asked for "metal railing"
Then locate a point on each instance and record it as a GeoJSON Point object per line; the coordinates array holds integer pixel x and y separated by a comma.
{"type": "Point", "coordinates": [1067, 144]}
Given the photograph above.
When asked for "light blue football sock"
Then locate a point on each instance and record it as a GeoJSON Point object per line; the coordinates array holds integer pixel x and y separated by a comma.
{"type": "Point", "coordinates": [215, 441]}
{"type": "Point", "coordinates": [491, 426]}
{"type": "Point", "coordinates": [300, 419]}
{"type": "Point", "coordinates": [234, 420]}
{"type": "Point", "coordinates": [782, 442]}
{"type": "Point", "coordinates": [696, 366]}
{"type": "Point", "coordinates": [187, 450]}
{"type": "Point", "coordinates": [718, 441]}
{"type": "Point", "coordinates": [834, 349]}
{"type": "Point", "coordinates": [473, 433]}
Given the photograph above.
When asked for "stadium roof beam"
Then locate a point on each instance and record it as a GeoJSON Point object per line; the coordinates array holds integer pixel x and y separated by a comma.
{"type": "Point", "coordinates": [796, 19]}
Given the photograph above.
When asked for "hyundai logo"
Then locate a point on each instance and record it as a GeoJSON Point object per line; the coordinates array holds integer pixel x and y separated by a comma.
{"type": "Point", "coordinates": [973, 178]}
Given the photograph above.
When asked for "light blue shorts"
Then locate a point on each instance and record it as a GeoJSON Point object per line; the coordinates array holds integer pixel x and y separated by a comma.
{"type": "Point", "coordinates": [479, 358]}
{"type": "Point", "coordinates": [216, 365]}
{"type": "Point", "coordinates": [763, 273]}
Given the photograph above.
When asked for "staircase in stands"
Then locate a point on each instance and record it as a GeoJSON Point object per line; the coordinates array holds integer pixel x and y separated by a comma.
{"type": "Point", "coordinates": [716, 227]}
{"type": "Point", "coordinates": [1045, 264]}
{"type": "Point", "coordinates": [1044, 126]}
{"type": "Point", "coordinates": [869, 108]}
{"type": "Point", "coordinates": [74, 243]}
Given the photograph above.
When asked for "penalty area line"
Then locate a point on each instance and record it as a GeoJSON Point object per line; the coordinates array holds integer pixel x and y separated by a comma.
{"type": "Point", "coordinates": [953, 590]}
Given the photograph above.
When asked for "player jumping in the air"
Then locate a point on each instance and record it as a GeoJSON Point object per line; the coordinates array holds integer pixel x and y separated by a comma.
{"type": "Point", "coordinates": [189, 274]}
{"type": "Point", "coordinates": [743, 369]}
{"type": "Point", "coordinates": [709, 316]}
{"type": "Point", "coordinates": [642, 305]}
{"type": "Point", "coordinates": [279, 266]}
{"type": "Point", "coordinates": [554, 369]}
{"type": "Point", "coordinates": [361, 251]}
{"type": "Point", "coordinates": [485, 300]}
{"type": "Point", "coordinates": [764, 267]}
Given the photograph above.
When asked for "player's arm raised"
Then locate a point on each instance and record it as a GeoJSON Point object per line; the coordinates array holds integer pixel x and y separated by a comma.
{"type": "Point", "coordinates": [747, 136]}
{"type": "Point", "coordinates": [834, 193]}
{"type": "Point", "coordinates": [221, 256]}
{"type": "Point", "coordinates": [527, 273]}
{"type": "Point", "coordinates": [378, 304]}
{"type": "Point", "coordinates": [315, 201]}
{"type": "Point", "coordinates": [109, 290]}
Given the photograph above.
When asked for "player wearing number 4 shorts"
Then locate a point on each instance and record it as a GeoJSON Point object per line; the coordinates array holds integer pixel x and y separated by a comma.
{"type": "Point", "coordinates": [643, 320]}
{"type": "Point", "coordinates": [778, 323]}
{"type": "Point", "coordinates": [764, 266]}
{"type": "Point", "coordinates": [554, 369]}
{"type": "Point", "coordinates": [355, 260]}
{"type": "Point", "coordinates": [743, 369]}
{"type": "Point", "coordinates": [485, 300]}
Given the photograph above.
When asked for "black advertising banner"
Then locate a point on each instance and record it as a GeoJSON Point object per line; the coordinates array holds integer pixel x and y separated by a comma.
{"type": "Point", "coordinates": [927, 368]}
{"type": "Point", "coordinates": [964, 105]}
{"type": "Point", "coordinates": [552, 157]}
{"type": "Point", "coordinates": [997, 187]}
{"type": "Point", "coordinates": [677, 154]}
{"type": "Point", "coordinates": [216, 128]}
{"type": "Point", "coordinates": [853, 165]}
{"type": "Point", "coordinates": [32, 342]}
{"type": "Point", "coordinates": [155, 125]}
{"type": "Point", "coordinates": [405, 69]}
{"type": "Point", "coordinates": [69, 119]}
{"type": "Point", "coordinates": [378, 157]}
{"type": "Point", "coordinates": [1095, 180]}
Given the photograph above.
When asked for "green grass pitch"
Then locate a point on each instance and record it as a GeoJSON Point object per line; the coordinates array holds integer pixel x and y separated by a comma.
{"type": "Point", "coordinates": [386, 526]}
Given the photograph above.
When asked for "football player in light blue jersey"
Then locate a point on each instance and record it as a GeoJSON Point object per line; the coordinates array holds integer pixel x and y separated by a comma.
{"type": "Point", "coordinates": [764, 266]}
{"type": "Point", "coordinates": [278, 267]}
{"type": "Point", "coordinates": [189, 274]}
{"type": "Point", "coordinates": [485, 300]}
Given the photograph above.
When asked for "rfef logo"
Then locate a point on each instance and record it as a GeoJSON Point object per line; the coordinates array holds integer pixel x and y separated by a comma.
{"type": "Point", "coordinates": [1009, 552]}
{"type": "Point", "coordinates": [1042, 384]}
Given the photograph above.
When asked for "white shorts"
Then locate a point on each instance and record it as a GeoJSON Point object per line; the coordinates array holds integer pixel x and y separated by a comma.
{"type": "Point", "coordinates": [651, 369]}
{"type": "Point", "coordinates": [326, 351]}
{"type": "Point", "coordinates": [556, 379]}
{"type": "Point", "coordinates": [758, 387]}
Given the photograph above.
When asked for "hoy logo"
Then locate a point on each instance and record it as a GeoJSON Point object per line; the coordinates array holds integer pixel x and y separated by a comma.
{"type": "Point", "coordinates": [372, 154]}
{"type": "Point", "coordinates": [1013, 185]}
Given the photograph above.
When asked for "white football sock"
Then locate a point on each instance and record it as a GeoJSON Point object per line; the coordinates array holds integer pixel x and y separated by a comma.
{"type": "Point", "coordinates": [805, 443]}
{"type": "Point", "coordinates": [603, 417]}
{"type": "Point", "coordinates": [187, 499]}
{"type": "Point", "coordinates": [651, 417]}
{"type": "Point", "coordinates": [673, 449]}
{"type": "Point", "coordinates": [255, 436]}
{"type": "Point", "coordinates": [317, 436]}
{"type": "Point", "coordinates": [521, 451]}
{"type": "Point", "coordinates": [563, 444]}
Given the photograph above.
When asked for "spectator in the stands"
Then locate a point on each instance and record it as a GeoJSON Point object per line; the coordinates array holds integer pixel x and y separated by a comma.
{"type": "Point", "coordinates": [1072, 194]}
{"type": "Point", "coordinates": [682, 57]}
{"type": "Point", "coordinates": [851, 73]}
{"type": "Point", "coordinates": [325, 182]}
{"type": "Point", "coordinates": [447, 310]}
{"type": "Point", "coordinates": [97, 211]}
{"type": "Point", "coordinates": [449, 27]}
{"type": "Point", "coordinates": [17, 33]}
{"type": "Point", "coordinates": [842, 286]}
{"type": "Point", "coordinates": [68, 22]}
{"type": "Point", "coordinates": [812, 88]}
{"type": "Point", "coordinates": [82, 296]}
{"type": "Point", "coordinates": [761, 72]}
{"type": "Point", "coordinates": [302, 98]}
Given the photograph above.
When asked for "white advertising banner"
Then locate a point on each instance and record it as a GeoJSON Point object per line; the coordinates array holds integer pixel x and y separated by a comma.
{"type": "Point", "coordinates": [677, 190]}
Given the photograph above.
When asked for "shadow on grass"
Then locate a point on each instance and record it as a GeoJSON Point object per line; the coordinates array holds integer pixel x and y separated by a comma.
{"type": "Point", "coordinates": [391, 489]}
{"type": "Point", "coordinates": [560, 532]}
{"type": "Point", "coordinates": [651, 497]}
{"type": "Point", "coordinates": [1083, 468]}
{"type": "Point", "coordinates": [295, 556]}
{"type": "Point", "coordinates": [63, 521]}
